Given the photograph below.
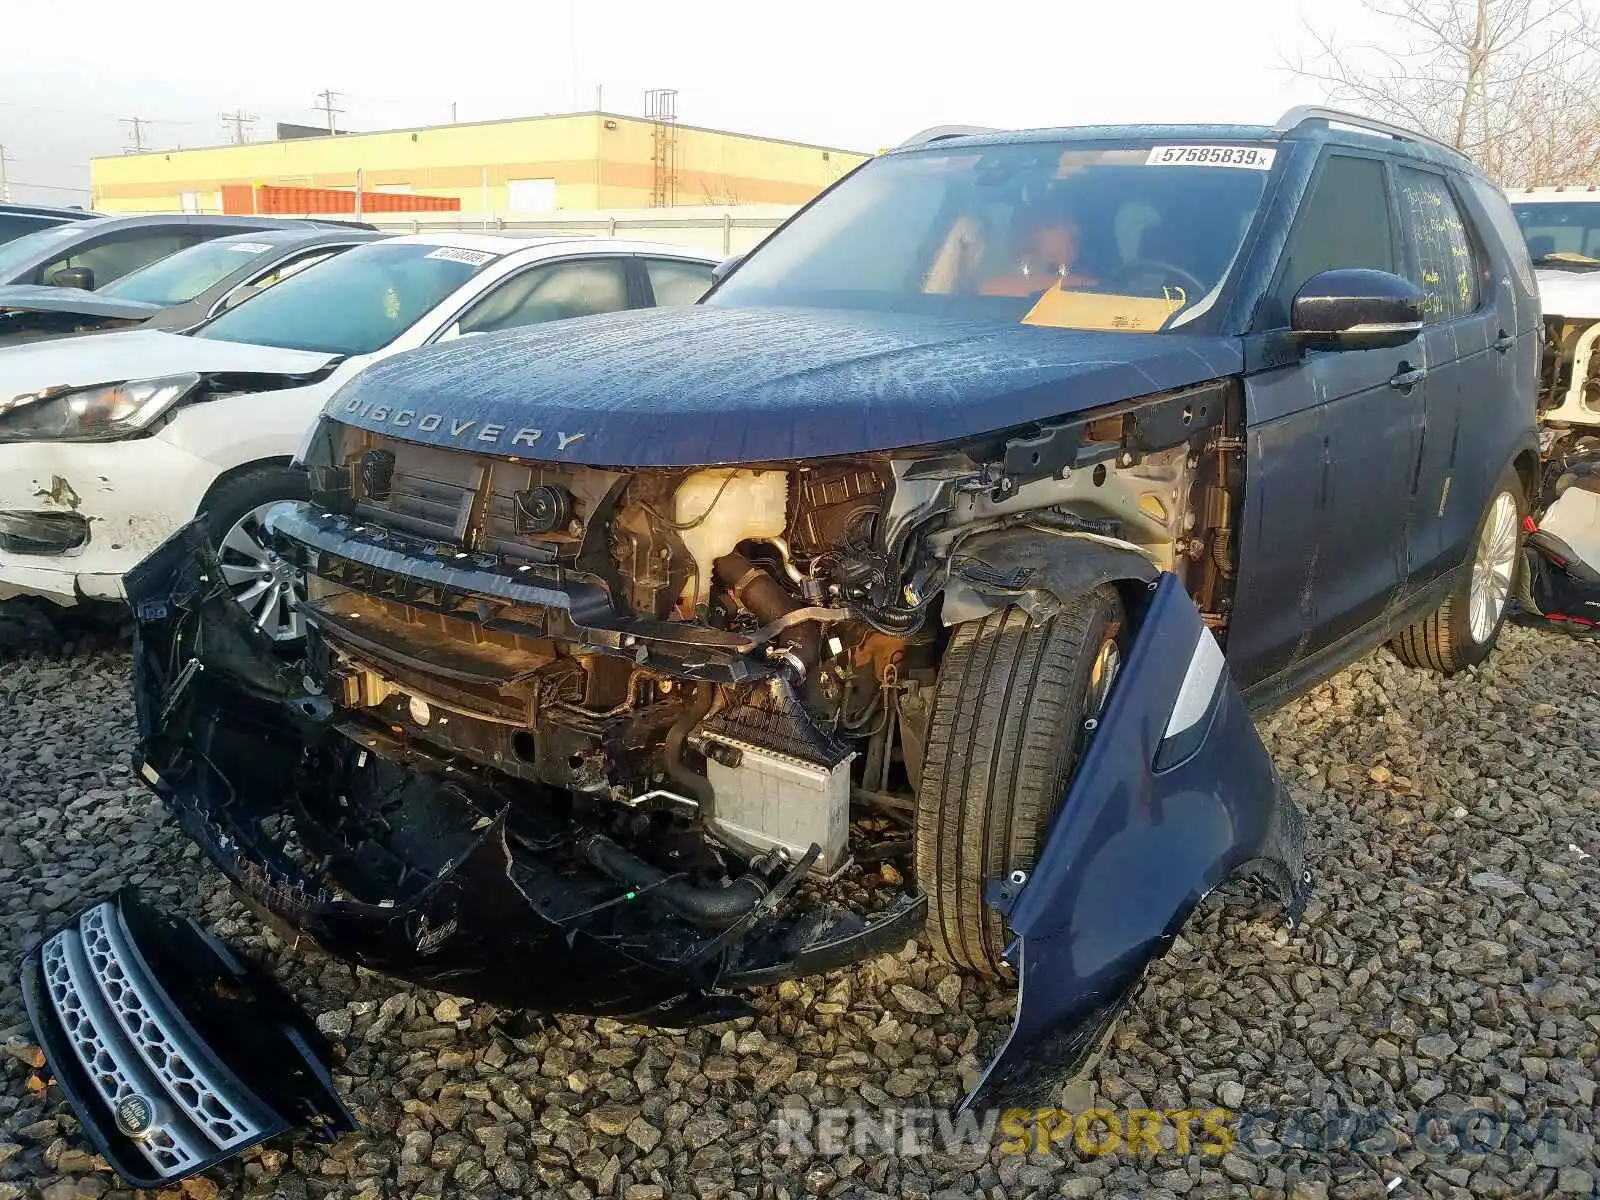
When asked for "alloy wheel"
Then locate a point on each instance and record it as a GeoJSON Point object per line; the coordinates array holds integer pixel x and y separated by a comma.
{"type": "Point", "coordinates": [266, 585]}
{"type": "Point", "coordinates": [1492, 569]}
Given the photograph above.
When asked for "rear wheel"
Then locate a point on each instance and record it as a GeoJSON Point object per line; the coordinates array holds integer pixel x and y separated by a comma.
{"type": "Point", "coordinates": [1461, 631]}
{"type": "Point", "coordinates": [267, 587]}
{"type": "Point", "coordinates": [1006, 731]}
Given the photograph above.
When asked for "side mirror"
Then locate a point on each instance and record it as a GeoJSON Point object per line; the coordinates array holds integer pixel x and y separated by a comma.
{"type": "Point", "coordinates": [72, 277]}
{"type": "Point", "coordinates": [723, 267]}
{"type": "Point", "coordinates": [1356, 309]}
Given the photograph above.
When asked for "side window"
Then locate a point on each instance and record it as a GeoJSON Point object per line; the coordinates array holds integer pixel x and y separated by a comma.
{"type": "Point", "coordinates": [565, 289]}
{"type": "Point", "coordinates": [1443, 262]}
{"type": "Point", "coordinates": [675, 282]}
{"type": "Point", "coordinates": [1343, 222]}
{"type": "Point", "coordinates": [293, 266]}
{"type": "Point", "coordinates": [14, 225]}
{"type": "Point", "coordinates": [117, 255]}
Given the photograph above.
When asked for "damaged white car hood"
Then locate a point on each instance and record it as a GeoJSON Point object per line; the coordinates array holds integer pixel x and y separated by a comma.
{"type": "Point", "coordinates": [1574, 294]}
{"type": "Point", "coordinates": [139, 354]}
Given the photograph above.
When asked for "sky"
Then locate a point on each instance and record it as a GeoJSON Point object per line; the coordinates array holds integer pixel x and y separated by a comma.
{"type": "Point", "coordinates": [859, 74]}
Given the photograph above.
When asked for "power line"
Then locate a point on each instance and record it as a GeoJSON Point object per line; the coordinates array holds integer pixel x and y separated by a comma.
{"type": "Point", "coordinates": [241, 122]}
{"type": "Point", "coordinates": [327, 96]}
{"type": "Point", "coordinates": [136, 127]}
{"type": "Point", "coordinates": [50, 187]}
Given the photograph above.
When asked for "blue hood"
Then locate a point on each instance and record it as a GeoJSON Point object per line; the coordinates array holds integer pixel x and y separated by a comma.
{"type": "Point", "coordinates": [706, 385]}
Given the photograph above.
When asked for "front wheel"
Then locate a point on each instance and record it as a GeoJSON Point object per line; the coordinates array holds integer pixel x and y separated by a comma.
{"type": "Point", "coordinates": [1006, 731]}
{"type": "Point", "coordinates": [1462, 631]}
{"type": "Point", "coordinates": [265, 585]}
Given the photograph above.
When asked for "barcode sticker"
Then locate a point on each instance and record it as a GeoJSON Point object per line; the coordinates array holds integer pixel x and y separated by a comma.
{"type": "Point", "coordinates": [473, 258]}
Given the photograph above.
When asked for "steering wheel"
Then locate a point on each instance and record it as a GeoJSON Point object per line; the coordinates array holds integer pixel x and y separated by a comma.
{"type": "Point", "coordinates": [1145, 270]}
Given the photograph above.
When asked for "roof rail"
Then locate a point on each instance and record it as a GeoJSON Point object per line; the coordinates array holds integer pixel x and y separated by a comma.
{"type": "Point", "coordinates": [938, 133]}
{"type": "Point", "coordinates": [1305, 114]}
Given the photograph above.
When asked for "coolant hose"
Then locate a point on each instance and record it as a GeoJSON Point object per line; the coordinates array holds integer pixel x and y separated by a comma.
{"type": "Point", "coordinates": [710, 908]}
{"type": "Point", "coordinates": [763, 596]}
{"type": "Point", "coordinates": [697, 785]}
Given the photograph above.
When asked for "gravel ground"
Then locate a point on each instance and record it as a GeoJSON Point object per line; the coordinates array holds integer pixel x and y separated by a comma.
{"type": "Point", "coordinates": [1448, 961]}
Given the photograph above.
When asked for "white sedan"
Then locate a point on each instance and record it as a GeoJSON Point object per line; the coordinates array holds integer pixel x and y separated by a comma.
{"type": "Point", "coordinates": [109, 443]}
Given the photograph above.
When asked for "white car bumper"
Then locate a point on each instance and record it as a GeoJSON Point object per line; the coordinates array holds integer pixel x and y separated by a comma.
{"type": "Point", "coordinates": [116, 500]}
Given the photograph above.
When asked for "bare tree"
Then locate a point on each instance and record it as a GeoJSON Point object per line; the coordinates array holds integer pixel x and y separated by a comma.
{"type": "Point", "coordinates": [1508, 82]}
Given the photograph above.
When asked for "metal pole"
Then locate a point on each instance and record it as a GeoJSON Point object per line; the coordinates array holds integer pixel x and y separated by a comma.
{"type": "Point", "coordinates": [360, 184]}
{"type": "Point", "coordinates": [5, 184]}
{"type": "Point", "coordinates": [486, 197]}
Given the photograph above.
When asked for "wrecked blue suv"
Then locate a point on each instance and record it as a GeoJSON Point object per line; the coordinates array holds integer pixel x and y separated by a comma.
{"type": "Point", "coordinates": [965, 522]}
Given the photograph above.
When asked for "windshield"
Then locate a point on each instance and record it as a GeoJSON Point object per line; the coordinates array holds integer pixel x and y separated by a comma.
{"type": "Point", "coordinates": [357, 303]}
{"type": "Point", "coordinates": [1136, 238]}
{"type": "Point", "coordinates": [1567, 232]}
{"type": "Point", "coordinates": [25, 249]}
{"type": "Point", "coordinates": [184, 275]}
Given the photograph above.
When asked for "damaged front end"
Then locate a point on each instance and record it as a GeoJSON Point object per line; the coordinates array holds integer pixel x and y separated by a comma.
{"type": "Point", "coordinates": [404, 858]}
{"type": "Point", "coordinates": [612, 742]}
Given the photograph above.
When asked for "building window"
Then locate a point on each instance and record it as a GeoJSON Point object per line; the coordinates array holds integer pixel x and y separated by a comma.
{"type": "Point", "coordinates": [190, 201]}
{"type": "Point", "coordinates": [531, 195]}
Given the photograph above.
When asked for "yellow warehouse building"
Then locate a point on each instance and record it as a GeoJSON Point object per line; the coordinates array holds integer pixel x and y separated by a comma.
{"type": "Point", "coordinates": [519, 166]}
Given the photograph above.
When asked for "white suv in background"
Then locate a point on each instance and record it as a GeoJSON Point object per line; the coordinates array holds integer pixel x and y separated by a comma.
{"type": "Point", "coordinates": [110, 443]}
{"type": "Point", "coordinates": [1561, 226]}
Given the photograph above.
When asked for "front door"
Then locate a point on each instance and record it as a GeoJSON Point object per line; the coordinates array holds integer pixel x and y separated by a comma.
{"type": "Point", "coordinates": [1331, 447]}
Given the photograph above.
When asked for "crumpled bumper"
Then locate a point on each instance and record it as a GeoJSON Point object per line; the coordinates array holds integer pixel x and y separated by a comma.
{"type": "Point", "coordinates": [388, 857]}
{"type": "Point", "coordinates": [414, 868]}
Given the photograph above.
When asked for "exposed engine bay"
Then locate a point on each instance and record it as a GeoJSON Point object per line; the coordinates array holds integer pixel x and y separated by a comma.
{"type": "Point", "coordinates": [745, 656]}
{"type": "Point", "coordinates": [1569, 375]}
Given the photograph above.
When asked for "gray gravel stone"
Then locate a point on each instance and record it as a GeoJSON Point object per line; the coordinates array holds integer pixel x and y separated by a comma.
{"type": "Point", "coordinates": [1448, 960]}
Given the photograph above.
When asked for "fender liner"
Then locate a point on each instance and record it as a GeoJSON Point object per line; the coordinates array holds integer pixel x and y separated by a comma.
{"type": "Point", "coordinates": [1036, 568]}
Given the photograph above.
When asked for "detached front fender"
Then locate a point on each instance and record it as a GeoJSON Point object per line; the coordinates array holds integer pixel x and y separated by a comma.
{"type": "Point", "coordinates": [1174, 794]}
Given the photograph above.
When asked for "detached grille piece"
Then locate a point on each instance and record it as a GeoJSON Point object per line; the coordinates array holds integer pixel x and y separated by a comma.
{"type": "Point", "coordinates": [159, 1098]}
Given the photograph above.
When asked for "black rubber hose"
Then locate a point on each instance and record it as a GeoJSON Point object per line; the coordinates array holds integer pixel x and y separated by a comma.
{"type": "Point", "coordinates": [697, 785]}
{"type": "Point", "coordinates": [710, 908]}
{"type": "Point", "coordinates": [766, 598]}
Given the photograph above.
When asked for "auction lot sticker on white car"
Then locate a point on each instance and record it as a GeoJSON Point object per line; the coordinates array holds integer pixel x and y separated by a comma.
{"type": "Point", "coordinates": [473, 258]}
{"type": "Point", "coordinates": [250, 247]}
{"type": "Point", "coordinates": [1253, 158]}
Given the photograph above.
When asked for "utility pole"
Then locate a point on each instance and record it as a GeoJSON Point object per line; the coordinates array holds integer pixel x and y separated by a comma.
{"type": "Point", "coordinates": [328, 96]}
{"type": "Point", "coordinates": [136, 127]}
{"type": "Point", "coordinates": [5, 184]}
{"type": "Point", "coordinates": [240, 121]}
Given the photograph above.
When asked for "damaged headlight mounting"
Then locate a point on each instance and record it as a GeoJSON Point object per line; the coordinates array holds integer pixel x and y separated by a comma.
{"type": "Point", "coordinates": [93, 414]}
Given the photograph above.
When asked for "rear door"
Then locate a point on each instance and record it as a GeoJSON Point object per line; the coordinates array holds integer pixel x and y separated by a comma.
{"type": "Point", "coordinates": [1471, 323]}
{"type": "Point", "coordinates": [1331, 446]}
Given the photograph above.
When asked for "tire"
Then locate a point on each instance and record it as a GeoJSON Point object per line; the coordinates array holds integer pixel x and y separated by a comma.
{"type": "Point", "coordinates": [1005, 734]}
{"type": "Point", "coordinates": [232, 509]}
{"type": "Point", "coordinates": [1452, 637]}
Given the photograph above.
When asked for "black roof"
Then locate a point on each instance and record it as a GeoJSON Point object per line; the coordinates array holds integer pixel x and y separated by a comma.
{"type": "Point", "coordinates": [47, 210]}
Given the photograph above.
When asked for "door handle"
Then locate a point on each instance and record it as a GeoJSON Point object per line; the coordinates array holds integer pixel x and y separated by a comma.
{"type": "Point", "coordinates": [1504, 342]}
{"type": "Point", "coordinates": [1407, 377]}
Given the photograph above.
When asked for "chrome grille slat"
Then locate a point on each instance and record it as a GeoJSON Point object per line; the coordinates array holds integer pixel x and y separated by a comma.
{"type": "Point", "coordinates": [165, 1049]}
{"type": "Point", "coordinates": [111, 1065]}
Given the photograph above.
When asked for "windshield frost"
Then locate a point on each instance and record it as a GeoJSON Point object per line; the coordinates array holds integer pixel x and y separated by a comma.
{"type": "Point", "coordinates": [1561, 232]}
{"type": "Point", "coordinates": [184, 275]}
{"type": "Point", "coordinates": [1134, 238]}
{"type": "Point", "coordinates": [354, 304]}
